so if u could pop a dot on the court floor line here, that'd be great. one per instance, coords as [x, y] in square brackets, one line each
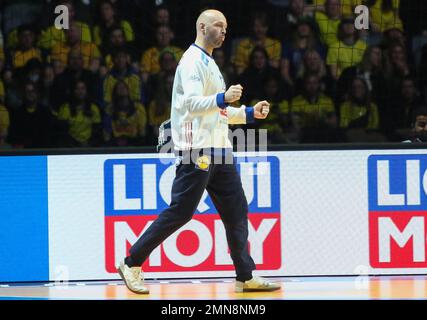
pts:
[323, 288]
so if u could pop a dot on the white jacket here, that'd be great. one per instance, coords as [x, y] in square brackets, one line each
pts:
[199, 115]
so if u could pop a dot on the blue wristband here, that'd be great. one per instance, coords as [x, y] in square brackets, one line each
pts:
[220, 100]
[250, 117]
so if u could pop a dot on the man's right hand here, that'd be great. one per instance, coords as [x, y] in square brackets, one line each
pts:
[233, 93]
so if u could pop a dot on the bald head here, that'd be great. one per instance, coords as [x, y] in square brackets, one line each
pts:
[209, 16]
[211, 27]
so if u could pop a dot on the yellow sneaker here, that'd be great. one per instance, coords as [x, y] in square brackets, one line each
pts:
[256, 284]
[133, 278]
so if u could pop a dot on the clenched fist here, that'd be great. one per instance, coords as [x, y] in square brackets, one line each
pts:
[261, 110]
[233, 93]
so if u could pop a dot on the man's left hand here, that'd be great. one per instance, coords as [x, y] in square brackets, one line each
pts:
[261, 110]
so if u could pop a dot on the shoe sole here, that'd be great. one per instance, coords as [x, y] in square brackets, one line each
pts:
[257, 290]
[124, 279]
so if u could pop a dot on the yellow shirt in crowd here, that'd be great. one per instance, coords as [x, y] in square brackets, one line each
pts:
[50, 36]
[133, 82]
[154, 119]
[271, 123]
[350, 112]
[88, 50]
[125, 26]
[345, 56]
[311, 113]
[328, 28]
[20, 58]
[80, 125]
[245, 47]
[150, 58]
[347, 6]
[386, 20]
[130, 126]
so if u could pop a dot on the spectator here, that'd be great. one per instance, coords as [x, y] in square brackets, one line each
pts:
[126, 8]
[150, 58]
[126, 120]
[81, 120]
[31, 123]
[108, 22]
[168, 66]
[161, 16]
[401, 111]
[224, 66]
[397, 61]
[294, 14]
[347, 6]
[122, 70]
[278, 121]
[75, 71]
[303, 39]
[18, 58]
[397, 67]
[392, 36]
[33, 72]
[90, 52]
[254, 77]
[48, 78]
[359, 115]
[384, 15]
[26, 49]
[246, 46]
[16, 14]
[52, 36]
[160, 107]
[312, 110]
[154, 18]
[371, 70]
[419, 126]
[329, 22]
[117, 42]
[347, 51]
[422, 73]
[312, 64]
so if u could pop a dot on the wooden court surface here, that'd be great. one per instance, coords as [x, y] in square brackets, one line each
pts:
[293, 288]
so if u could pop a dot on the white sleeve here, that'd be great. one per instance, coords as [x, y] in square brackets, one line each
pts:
[241, 115]
[193, 81]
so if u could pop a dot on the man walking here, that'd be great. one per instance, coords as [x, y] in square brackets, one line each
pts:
[200, 117]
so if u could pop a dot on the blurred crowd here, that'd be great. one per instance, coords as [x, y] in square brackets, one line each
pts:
[107, 80]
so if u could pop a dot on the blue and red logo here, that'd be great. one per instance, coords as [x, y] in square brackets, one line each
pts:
[397, 211]
[137, 190]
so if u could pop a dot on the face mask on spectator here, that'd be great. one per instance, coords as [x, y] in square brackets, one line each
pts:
[35, 77]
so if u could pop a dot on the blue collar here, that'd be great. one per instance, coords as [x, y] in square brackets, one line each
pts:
[204, 51]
